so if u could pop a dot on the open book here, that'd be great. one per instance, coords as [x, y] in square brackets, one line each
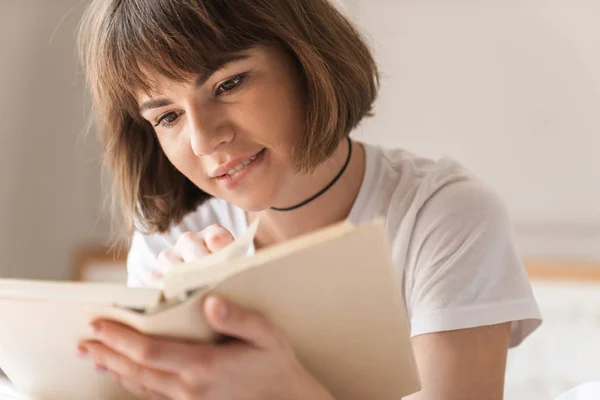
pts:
[333, 292]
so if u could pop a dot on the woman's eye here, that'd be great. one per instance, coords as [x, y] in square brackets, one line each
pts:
[230, 84]
[167, 120]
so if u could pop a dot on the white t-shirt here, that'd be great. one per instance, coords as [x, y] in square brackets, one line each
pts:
[451, 239]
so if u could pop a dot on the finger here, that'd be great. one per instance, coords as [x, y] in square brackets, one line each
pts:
[233, 320]
[157, 353]
[216, 237]
[123, 368]
[191, 246]
[166, 260]
[139, 391]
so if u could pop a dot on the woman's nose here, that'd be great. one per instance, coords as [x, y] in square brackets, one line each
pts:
[208, 132]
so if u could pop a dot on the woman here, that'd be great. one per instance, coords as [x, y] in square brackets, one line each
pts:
[214, 112]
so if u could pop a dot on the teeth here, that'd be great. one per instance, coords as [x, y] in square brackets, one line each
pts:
[240, 167]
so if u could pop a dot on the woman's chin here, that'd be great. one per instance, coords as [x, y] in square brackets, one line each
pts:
[251, 203]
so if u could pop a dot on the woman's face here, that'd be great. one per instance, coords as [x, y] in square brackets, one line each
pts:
[232, 133]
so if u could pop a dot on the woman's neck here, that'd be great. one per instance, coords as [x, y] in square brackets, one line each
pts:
[331, 207]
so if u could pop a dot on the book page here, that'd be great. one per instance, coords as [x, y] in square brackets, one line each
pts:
[333, 293]
[107, 294]
[198, 274]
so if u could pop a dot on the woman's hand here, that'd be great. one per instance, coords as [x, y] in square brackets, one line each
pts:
[257, 364]
[192, 246]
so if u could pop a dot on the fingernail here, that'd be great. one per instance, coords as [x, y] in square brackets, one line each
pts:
[215, 236]
[221, 306]
[82, 351]
[222, 309]
[101, 368]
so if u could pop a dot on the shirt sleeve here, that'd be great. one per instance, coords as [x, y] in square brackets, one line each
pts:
[143, 256]
[466, 270]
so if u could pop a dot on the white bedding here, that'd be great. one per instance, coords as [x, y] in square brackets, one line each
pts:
[565, 351]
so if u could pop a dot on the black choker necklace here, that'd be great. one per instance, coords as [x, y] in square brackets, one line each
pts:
[326, 188]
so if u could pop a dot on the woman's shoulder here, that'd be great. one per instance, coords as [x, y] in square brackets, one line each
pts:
[410, 169]
[416, 196]
[399, 184]
[452, 245]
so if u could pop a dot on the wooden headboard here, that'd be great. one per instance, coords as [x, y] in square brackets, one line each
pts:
[537, 269]
[97, 254]
[563, 270]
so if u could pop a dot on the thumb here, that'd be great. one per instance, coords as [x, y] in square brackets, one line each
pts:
[233, 320]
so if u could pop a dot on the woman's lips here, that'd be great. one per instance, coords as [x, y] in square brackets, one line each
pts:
[231, 181]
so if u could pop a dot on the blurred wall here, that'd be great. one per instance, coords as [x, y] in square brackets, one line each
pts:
[50, 195]
[511, 88]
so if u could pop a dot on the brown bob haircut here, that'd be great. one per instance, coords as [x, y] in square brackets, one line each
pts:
[182, 38]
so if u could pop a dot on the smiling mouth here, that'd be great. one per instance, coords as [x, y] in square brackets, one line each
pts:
[232, 172]
[240, 167]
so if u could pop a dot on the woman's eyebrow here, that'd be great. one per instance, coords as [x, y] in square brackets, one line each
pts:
[201, 80]
[150, 104]
[220, 64]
